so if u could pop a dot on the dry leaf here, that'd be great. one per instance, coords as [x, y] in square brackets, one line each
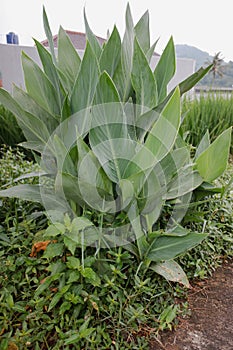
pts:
[38, 246]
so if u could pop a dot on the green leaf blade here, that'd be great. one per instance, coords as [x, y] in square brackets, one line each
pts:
[168, 247]
[171, 271]
[213, 161]
[165, 69]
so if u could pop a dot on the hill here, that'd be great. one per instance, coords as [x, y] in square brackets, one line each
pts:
[202, 58]
[187, 51]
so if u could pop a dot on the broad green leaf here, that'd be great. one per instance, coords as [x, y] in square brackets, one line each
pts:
[55, 230]
[203, 145]
[87, 79]
[141, 242]
[73, 263]
[122, 75]
[80, 223]
[171, 271]
[111, 53]
[35, 193]
[185, 181]
[142, 79]
[150, 200]
[106, 91]
[63, 160]
[142, 32]
[95, 45]
[177, 230]
[74, 276]
[27, 103]
[90, 276]
[50, 69]
[66, 108]
[53, 249]
[212, 162]
[151, 193]
[165, 69]
[24, 192]
[56, 267]
[68, 59]
[168, 247]
[39, 87]
[186, 85]
[93, 181]
[67, 186]
[193, 79]
[85, 238]
[144, 123]
[151, 51]
[34, 146]
[70, 244]
[172, 164]
[159, 141]
[127, 192]
[82, 232]
[109, 139]
[33, 128]
[164, 132]
[48, 34]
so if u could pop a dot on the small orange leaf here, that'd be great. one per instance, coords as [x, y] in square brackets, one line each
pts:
[38, 246]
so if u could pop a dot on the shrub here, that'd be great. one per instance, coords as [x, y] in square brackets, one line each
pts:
[108, 140]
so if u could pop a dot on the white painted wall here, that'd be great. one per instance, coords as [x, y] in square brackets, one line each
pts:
[12, 73]
[10, 64]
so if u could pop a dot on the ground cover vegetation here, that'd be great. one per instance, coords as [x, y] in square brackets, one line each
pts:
[97, 256]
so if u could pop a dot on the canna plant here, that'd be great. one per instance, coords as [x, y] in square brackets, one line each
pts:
[106, 134]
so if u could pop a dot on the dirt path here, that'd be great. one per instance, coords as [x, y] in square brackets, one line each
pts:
[210, 326]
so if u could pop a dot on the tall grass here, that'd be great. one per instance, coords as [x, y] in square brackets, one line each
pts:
[208, 111]
[10, 132]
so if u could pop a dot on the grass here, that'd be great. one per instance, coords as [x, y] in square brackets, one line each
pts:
[213, 112]
[59, 300]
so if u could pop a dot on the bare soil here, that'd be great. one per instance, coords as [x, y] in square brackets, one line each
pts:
[210, 326]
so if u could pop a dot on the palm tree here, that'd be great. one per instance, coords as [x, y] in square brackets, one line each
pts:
[217, 66]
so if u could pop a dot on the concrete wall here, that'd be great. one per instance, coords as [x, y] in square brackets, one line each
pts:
[10, 64]
[12, 73]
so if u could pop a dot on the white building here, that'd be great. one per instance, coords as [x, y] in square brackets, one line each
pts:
[11, 71]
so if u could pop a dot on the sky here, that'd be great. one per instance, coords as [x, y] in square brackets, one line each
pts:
[205, 24]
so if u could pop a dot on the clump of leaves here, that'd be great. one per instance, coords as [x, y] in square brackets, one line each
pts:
[107, 132]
